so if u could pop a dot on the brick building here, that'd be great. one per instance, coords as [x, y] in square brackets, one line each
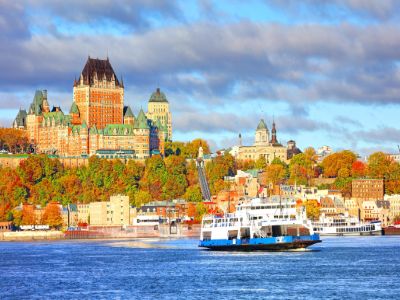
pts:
[367, 189]
[97, 119]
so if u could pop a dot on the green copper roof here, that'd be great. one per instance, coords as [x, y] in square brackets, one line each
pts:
[93, 129]
[84, 124]
[128, 112]
[56, 118]
[118, 129]
[37, 102]
[141, 121]
[20, 119]
[74, 109]
[262, 125]
[158, 96]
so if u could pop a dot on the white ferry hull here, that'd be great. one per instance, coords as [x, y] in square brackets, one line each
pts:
[376, 232]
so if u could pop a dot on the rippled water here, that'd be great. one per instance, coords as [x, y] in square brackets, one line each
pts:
[338, 268]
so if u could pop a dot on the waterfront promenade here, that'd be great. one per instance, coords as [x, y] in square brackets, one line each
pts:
[104, 232]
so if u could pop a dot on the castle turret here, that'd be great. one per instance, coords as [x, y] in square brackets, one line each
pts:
[74, 113]
[129, 117]
[141, 130]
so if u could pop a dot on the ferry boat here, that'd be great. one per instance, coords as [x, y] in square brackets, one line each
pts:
[344, 225]
[272, 224]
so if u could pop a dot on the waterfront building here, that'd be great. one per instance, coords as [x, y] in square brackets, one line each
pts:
[83, 213]
[376, 211]
[97, 121]
[265, 145]
[6, 226]
[367, 189]
[394, 208]
[115, 212]
[352, 206]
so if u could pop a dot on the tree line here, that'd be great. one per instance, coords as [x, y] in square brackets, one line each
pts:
[40, 180]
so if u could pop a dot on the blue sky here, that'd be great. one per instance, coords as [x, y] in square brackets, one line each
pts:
[328, 72]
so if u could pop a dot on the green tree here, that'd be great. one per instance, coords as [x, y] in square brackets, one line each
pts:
[141, 198]
[261, 163]
[193, 194]
[200, 211]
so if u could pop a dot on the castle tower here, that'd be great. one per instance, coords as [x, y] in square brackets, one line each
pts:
[20, 120]
[141, 131]
[129, 117]
[262, 134]
[45, 104]
[35, 116]
[99, 95]
[158, 109]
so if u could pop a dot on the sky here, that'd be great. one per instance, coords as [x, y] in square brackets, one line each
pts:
[327, 72]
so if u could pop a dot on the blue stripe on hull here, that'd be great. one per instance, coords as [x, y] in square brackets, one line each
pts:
[270, 243]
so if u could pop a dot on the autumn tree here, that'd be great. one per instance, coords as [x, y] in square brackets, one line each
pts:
[260, 163]
[378, 165]
[358, 169]
[312, 209]
[302, 166]
[28, 215]
[200, 211]
[338, 161]
[191, 173]
[14, 140]
[217, 169]
[174, 148]
[274, 174]
[52, 215]
[193, 194]
[140, 198]
[245, 164]
[192, 148]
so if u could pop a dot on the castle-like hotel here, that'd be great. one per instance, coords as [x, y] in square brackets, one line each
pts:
[98, 123]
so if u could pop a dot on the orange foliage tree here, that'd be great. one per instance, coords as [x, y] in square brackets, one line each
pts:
[14, 140]
[358, 169]
[52, 215]
[28, 215]
[339, 161]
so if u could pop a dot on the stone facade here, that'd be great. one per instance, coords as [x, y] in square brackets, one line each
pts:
[97, 120]
[266, 146]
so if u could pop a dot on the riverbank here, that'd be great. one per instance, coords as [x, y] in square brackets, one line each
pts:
[106, 232]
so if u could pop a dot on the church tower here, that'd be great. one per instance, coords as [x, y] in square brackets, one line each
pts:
[274, 140]
[99, 94]
[262, 134]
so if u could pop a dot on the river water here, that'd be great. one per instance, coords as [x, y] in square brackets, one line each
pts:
[338, 268]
